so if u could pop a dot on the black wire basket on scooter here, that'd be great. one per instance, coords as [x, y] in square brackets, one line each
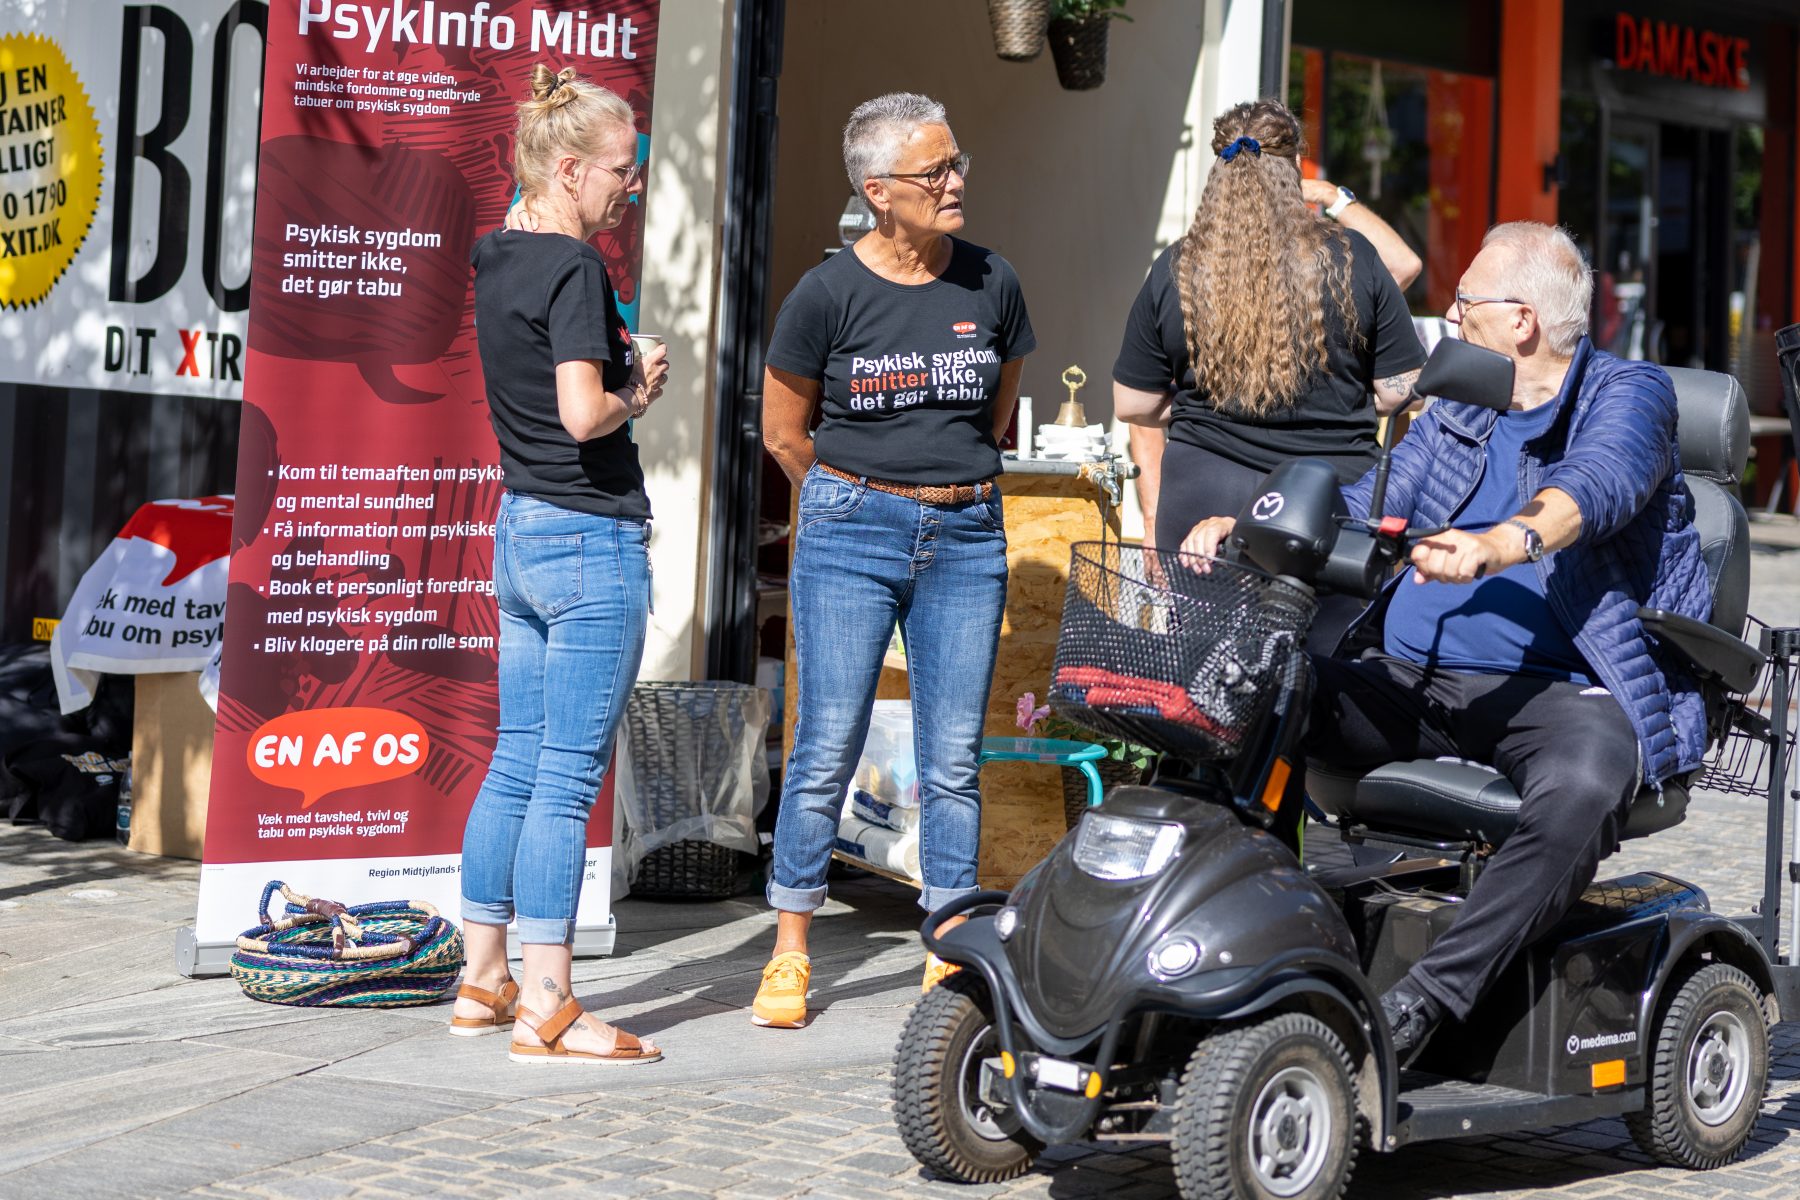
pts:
[1174, 651]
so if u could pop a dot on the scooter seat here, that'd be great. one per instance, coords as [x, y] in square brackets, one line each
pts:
[1449, 800]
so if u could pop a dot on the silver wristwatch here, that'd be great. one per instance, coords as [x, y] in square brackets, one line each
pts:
[1534, 541]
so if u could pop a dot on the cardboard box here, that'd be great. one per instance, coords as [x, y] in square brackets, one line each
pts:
[171, 765]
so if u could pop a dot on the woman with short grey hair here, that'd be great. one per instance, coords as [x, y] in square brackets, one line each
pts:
[911, 342]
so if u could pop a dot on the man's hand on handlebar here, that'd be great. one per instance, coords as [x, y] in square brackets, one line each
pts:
[1205, 538]
[1448, 556]
[1455, 557]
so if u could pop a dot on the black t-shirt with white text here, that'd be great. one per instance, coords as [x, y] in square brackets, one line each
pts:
[908, 372]
[1331, 418]
[542, 299]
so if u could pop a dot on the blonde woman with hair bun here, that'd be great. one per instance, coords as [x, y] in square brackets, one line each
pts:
[571, 568]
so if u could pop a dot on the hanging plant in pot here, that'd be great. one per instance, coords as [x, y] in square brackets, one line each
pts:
[1078, 40]
[1018, 27]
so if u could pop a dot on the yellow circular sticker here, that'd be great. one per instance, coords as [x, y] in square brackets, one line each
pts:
[49, 167]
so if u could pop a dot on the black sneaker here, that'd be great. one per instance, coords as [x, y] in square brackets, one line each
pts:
[1411, 1016]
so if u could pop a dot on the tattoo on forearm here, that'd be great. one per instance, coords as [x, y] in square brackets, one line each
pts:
[1401, 383]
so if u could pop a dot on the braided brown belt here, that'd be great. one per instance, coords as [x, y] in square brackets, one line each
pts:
[924, 493]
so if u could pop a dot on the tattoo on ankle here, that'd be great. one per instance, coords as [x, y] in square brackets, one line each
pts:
[550, 986]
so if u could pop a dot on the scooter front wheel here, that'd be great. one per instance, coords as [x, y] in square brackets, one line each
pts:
[1266, 1112]
[1709, 1067]
[944, 1120]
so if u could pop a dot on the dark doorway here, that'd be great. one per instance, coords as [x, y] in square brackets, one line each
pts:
[1666, 279]
[733, 593]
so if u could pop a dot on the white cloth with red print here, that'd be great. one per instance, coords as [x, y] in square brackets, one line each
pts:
[153, 602]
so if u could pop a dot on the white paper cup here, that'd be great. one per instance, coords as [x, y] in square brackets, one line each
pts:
[643, 343]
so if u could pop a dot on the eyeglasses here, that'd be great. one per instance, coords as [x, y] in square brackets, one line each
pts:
[1464, 302]
[938, 176]
[629, 175]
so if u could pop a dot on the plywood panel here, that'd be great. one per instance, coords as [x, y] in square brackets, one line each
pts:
[1022, 813]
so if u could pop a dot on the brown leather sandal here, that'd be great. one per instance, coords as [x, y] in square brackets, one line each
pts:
[626, 1048]
[505, 1004]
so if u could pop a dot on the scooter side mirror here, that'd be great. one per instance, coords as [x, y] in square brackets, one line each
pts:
[1467, 373]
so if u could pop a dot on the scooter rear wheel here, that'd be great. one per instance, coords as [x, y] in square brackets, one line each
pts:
[937, 1089]
[1266, 1111]
[1709, 1067]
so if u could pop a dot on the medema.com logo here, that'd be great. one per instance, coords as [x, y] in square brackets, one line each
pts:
[1576, 1045]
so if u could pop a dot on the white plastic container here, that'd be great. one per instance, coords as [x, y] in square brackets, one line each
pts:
[889, 767]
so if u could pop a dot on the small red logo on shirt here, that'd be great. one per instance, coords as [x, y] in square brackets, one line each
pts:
[963, 328]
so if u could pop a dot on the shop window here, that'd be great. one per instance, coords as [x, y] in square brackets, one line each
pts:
[1577, 198]
[1415, 144]
[1747, 315]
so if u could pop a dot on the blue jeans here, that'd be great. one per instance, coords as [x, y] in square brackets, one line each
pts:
[864, 560]
[574, 593]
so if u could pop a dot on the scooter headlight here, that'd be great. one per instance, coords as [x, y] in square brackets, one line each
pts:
[1123, 848]
[1005, 921]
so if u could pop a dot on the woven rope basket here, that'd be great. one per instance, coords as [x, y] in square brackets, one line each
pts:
[321, 953]
[1018, 27]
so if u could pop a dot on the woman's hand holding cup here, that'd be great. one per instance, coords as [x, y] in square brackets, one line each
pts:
[649, 370]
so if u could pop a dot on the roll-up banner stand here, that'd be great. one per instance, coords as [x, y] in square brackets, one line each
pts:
[357, 697]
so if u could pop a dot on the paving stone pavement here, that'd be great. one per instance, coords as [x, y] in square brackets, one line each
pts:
[123, 1080]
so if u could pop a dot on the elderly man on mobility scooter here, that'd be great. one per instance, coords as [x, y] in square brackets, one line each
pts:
[1171, 973]
[1537, 663]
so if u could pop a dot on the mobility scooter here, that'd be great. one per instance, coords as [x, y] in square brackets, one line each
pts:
[1173, 974]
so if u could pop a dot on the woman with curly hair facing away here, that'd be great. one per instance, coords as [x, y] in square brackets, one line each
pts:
[571, 571]
[1259, 336]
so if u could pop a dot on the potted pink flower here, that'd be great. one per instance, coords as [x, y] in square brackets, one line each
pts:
[1125, 762]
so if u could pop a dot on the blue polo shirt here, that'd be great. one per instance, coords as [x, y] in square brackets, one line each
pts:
[1500, 624]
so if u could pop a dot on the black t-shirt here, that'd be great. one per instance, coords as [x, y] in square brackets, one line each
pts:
[1331, 419]
[908, 371]
[543, 299]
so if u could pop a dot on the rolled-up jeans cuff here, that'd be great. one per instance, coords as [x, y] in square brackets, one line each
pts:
[545, 931]
[931, 899]
[795, 900]
[482, 913]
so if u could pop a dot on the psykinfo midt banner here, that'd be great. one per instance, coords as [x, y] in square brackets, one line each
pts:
[357, 700]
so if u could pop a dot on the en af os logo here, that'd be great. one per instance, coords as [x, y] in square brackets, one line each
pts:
[319, 751]
[964, 329]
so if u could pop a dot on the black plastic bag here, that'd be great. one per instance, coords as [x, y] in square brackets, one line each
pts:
[67, 783]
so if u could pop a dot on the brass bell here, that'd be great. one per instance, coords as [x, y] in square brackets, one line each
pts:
[1072, 413]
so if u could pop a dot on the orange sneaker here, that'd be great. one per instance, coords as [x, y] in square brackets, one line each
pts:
[781, 1000]
[936, 971]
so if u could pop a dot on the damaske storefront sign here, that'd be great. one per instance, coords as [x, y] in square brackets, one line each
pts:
[1668, 60]
[1674, 51]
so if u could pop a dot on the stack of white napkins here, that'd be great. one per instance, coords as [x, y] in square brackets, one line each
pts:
[1071, 443]
[886, 835]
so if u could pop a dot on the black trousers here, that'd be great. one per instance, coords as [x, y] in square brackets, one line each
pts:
[1569, 751]
[1197, 484]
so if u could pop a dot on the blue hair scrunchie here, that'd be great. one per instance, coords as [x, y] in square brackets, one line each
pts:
[1244, 143]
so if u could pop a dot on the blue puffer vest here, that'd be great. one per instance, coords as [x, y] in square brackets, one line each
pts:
[1612, 449]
